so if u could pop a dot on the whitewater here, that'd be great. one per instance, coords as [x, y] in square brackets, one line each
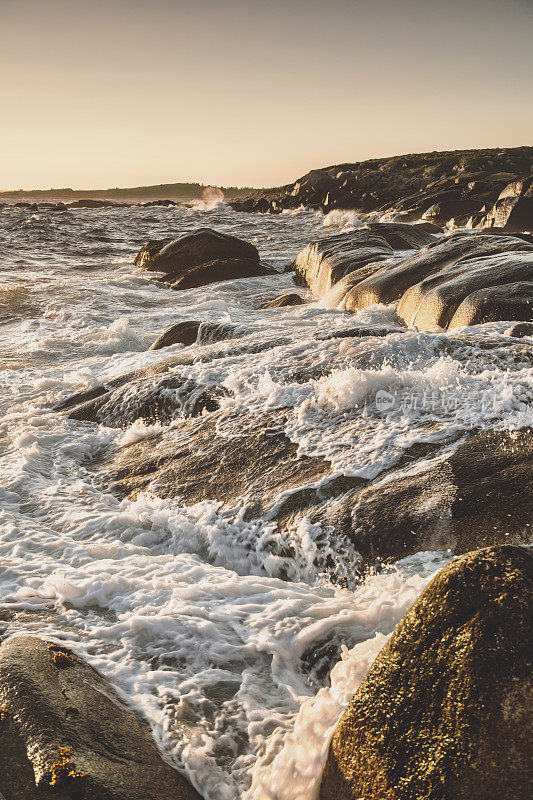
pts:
[240, 649]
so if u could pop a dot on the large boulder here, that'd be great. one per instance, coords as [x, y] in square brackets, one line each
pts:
[454, 296]
[65, 733]
[513, 301]
[322, 264]
[174, 257]
[412, 278]
[446, 709]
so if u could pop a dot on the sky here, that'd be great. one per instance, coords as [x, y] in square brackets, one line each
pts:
[98, 94]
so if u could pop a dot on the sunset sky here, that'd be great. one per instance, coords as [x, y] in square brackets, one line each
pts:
[247, 92]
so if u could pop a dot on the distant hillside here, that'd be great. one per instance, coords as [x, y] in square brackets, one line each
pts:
[458, 184]
[162, 191]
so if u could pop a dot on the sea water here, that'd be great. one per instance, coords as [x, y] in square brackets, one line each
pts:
[241, 657]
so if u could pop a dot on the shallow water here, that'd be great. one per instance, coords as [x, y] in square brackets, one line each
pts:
[224, 642]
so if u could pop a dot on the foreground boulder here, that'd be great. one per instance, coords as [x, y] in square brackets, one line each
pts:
[66, 734]
[445, 711]
[175, 257]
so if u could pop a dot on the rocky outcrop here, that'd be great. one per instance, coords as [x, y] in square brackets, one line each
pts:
[66, 734]
[284, 300]
[457, 280]
[175, 257]
[438, 187]
[455, 295]
[445, 711]
[322, 264]
[512, 211]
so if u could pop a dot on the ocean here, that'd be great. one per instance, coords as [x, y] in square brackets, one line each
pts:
[241, 644]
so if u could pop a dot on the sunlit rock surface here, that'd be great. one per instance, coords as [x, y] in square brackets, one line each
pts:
[66, 734]
[445, 710]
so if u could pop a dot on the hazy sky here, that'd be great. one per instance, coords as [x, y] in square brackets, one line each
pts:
[252, 92]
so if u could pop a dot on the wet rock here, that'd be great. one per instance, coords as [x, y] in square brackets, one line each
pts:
[520, 329]
[176, 256]
[445, 711]
[182, 333]
[414, 274]
[291, 299]
[322, 264]
[244, 458]
[481, 494]
[157, 399]
[437, 300]
[194, 332]
[66, 734]
[226, 269]
[513, 301]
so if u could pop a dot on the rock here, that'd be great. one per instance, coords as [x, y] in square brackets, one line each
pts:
[291, 299]
[66, 734]
[410, 279]
[481, 494]
[357, 254]
[194, 332]
[89, 203]
[320, 265]
[176, 256]
[513, 301]
[513, 210]
[250, 461]
[157, 399]
[520, 329]
[182, 333]
[445, 711]
[223, 269]
[436, 300]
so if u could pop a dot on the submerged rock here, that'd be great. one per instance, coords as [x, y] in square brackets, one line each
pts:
[175, 257]
[291, 299]
[66, 734]
[157, 399]
[195, 332]
[243, 458]
[222, 269]
[445, 711]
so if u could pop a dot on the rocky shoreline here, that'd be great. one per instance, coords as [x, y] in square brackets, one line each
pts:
[445, 709]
